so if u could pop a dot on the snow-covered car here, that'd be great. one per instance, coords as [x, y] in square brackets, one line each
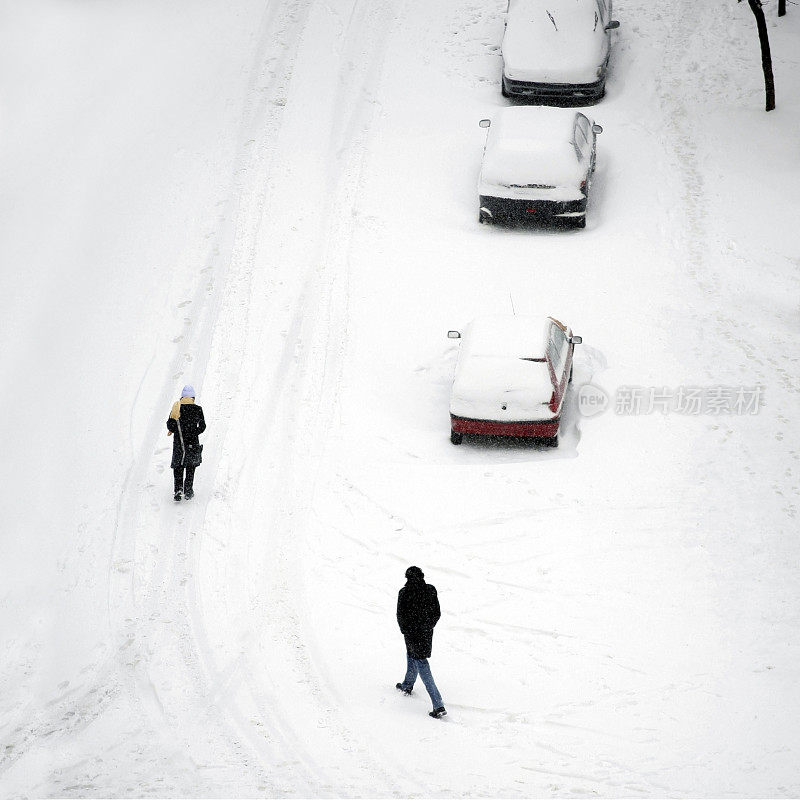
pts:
[557, 49]
[511, 377]
[537, 165]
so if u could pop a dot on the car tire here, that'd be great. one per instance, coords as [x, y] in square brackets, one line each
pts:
[503, 88]
[550, 441]
[580, 222]
[484, 218]
[456, 438]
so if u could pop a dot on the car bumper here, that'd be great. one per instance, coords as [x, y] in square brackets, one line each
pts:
[504, 209]
[539, 429]
[555, 91]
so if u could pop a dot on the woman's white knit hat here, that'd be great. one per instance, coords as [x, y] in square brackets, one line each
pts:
[188, 391]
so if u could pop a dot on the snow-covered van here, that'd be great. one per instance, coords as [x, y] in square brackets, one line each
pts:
[537, 165]
[557, 49]
[511, 377]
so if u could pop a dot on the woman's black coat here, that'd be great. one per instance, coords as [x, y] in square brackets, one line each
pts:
[192, 425]
[417, 613]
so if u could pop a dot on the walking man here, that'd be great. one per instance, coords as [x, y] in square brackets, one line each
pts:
[417, 614]
[186, 422]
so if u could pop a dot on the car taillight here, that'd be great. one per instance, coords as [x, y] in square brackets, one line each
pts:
[553, 402]
[583, 187]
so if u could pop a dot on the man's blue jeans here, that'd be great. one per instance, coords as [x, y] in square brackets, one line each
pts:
[420, 666]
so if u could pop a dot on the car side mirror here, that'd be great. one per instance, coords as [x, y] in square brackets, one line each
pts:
[485, 123]
[597, 128]
[612, 25]
[576, 339]
[453, 334]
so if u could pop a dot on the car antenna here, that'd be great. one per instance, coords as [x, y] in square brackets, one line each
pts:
[513, 310]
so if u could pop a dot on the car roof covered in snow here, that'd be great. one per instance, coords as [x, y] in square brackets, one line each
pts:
[557, 41]
[495, 369]
[532, 146]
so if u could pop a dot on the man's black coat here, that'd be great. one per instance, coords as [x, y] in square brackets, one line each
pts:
[417, 613]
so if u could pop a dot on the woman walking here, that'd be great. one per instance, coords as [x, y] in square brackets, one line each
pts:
[185, 423]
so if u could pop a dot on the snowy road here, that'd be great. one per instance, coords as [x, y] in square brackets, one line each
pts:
[279, 205]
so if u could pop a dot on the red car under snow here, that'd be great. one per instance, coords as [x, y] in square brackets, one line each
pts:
[511, 378]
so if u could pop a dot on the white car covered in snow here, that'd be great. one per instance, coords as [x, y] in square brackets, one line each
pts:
[537, 165]
[511, 377]
[557, 49]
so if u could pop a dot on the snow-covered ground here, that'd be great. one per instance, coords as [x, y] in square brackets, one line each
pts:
[276, 201]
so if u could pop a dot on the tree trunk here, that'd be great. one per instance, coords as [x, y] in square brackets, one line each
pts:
[766, 58]
[781, 8]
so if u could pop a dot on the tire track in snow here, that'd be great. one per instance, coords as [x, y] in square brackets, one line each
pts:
[137, 597]
[174, 585]
[298, 399]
